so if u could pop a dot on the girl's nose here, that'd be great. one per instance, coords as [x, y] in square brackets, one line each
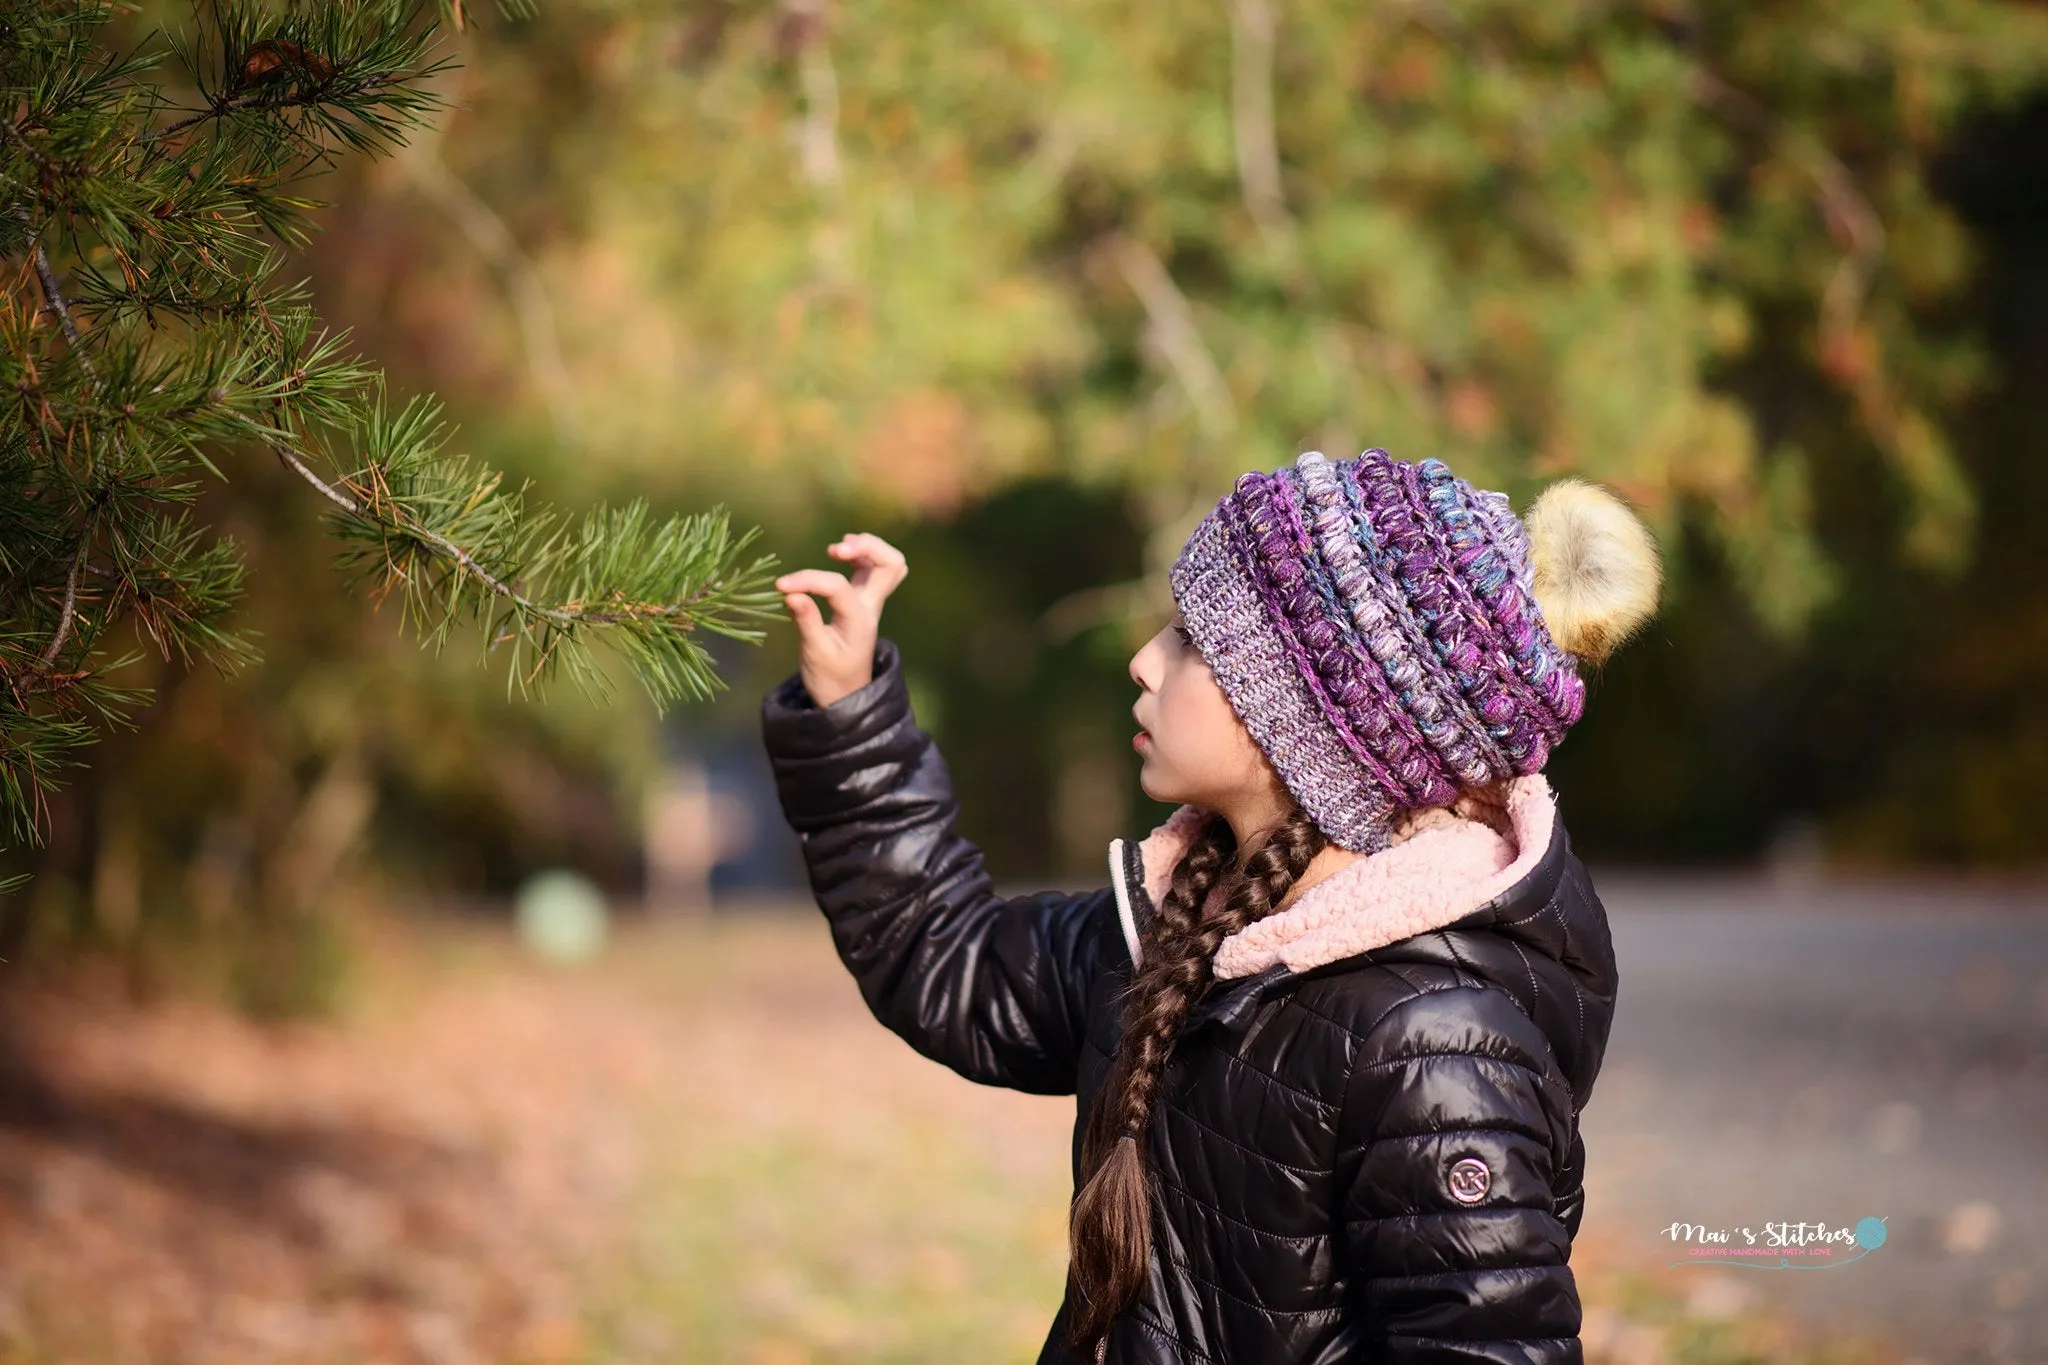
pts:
[1137, 671]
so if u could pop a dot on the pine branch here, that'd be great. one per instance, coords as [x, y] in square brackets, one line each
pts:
[264, 99]
[647, 589]
[154, 251]
[397, 525]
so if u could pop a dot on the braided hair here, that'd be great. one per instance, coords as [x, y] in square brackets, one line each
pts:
[1110, 1231]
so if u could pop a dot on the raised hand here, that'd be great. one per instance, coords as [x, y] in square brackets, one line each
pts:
[838, 657]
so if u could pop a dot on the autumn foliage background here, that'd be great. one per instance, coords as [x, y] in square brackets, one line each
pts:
[1022, 289]
[1025, 290]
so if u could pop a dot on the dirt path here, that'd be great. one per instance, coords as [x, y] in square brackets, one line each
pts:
[1830, 1053]
[488, 1161]
[702, 1149]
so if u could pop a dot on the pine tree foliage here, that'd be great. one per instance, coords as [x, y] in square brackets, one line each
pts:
[148, 345]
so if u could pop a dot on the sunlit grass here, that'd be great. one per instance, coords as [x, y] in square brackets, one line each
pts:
[820, 1192]
[794, 1250]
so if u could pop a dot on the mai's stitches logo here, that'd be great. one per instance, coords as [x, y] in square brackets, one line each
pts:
[1780, 1246]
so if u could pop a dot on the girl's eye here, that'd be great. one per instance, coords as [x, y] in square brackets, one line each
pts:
[1185, 638]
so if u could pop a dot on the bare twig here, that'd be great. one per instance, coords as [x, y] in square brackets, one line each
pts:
[53, 294]
[819, 140]
[1251, 95]
[1099, 605]
[29, 682]
[69, 614]
[326, 489]
[14, 135]
[817, 135]
[1851, 220]
[524, 289]
[1174, 332]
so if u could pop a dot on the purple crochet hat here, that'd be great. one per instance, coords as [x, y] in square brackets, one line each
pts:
[1374, 625]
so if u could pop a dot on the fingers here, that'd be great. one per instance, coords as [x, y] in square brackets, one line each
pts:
[833, 587]
[878, 566]
[873, 547]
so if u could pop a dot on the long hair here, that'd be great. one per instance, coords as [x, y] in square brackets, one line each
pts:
[1109, 1235]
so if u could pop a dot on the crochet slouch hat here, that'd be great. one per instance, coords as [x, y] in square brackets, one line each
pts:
[1381, 628]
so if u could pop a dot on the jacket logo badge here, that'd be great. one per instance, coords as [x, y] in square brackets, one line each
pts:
[1469, 1180]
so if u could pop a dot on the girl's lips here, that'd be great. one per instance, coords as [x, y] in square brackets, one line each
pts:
[1140, 740]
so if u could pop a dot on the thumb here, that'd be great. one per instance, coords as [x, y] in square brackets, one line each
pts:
[803, 609]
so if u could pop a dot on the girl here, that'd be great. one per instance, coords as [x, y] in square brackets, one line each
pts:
[1332, 1024]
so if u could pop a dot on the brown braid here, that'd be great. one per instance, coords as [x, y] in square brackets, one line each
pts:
[1110, 1231]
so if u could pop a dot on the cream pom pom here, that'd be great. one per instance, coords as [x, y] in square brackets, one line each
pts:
[1596, 569]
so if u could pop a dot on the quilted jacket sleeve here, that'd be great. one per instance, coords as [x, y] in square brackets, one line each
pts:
[1451, 1133]
[991, 986]
[1571, 1200]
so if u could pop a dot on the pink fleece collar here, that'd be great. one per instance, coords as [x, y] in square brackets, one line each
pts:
[1443, 865]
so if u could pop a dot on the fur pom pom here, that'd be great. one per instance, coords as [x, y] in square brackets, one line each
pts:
[1596, 569]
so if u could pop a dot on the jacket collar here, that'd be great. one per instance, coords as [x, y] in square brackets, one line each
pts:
[1449, 866]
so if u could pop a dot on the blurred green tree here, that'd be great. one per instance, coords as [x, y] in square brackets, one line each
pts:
[147, 337]
[899, 257]
[882, 263]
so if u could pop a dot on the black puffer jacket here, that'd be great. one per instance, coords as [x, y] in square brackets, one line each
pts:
[1377, 1159]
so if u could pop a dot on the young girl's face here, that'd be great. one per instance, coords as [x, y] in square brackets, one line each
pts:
[1194, 747]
